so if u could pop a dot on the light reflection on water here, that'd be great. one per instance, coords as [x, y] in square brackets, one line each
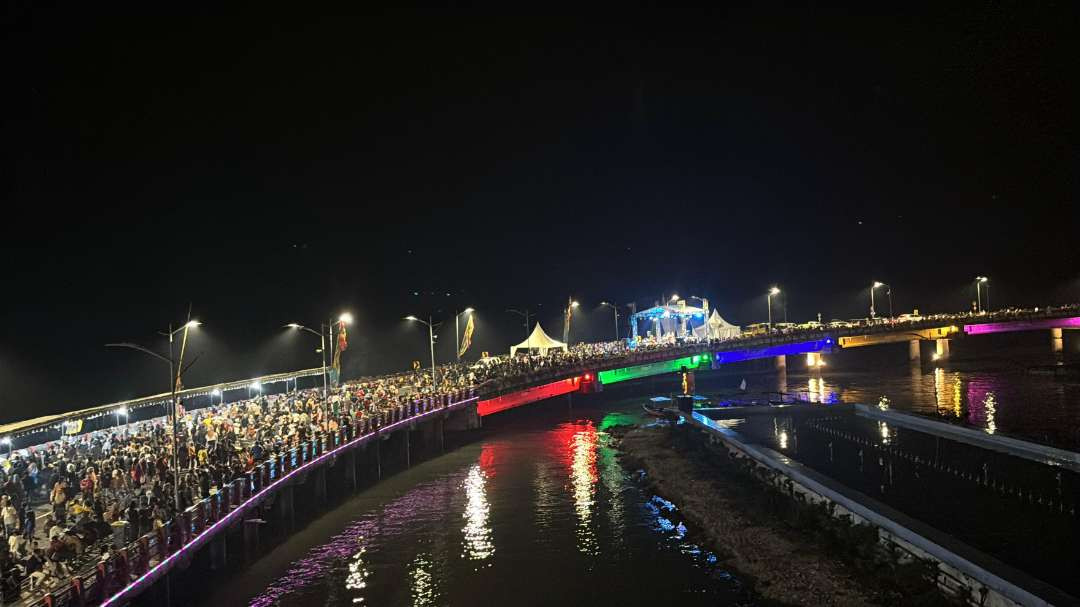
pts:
[1030, 407]
[569, 523]
[478, 543]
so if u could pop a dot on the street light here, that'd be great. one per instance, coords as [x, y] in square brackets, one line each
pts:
[888, 291]
[322, 349]
[121, 411]
[216, 392]
[614, 309]
[979, 281]
[457, 331]
[431, 341]
[772, 291]
[176, 371]
[570, 305]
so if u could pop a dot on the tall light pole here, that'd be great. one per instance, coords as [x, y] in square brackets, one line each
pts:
[614, 309]
[322, 349]
[979, 281]
[524, 314]
[175, 373]
[570, 305]
[888, 291]
[344, 318]
[772, 291]
[431, 340]
[457, 331]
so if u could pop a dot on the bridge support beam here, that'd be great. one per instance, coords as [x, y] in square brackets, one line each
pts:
[942, 349]
[1057, 341]
[914, 351]
[251, 539]
[349, 461]
[781, 362]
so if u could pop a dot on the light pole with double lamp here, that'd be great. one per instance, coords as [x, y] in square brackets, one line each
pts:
[345, 318]
[176, 372]
[888, 291]
[431, 341]
[614, 309]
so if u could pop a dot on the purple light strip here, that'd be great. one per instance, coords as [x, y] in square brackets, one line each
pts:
[151, 575]
[1023, 325]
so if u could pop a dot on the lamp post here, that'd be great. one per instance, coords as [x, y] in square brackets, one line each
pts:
[344, 318]
[322, 348]
[524, 314]
[431, 342]
[570, 305]
[979, 281]
[121, 411]
[221, 397]
[888, 291]
[175, 372]
[772, 291]
[614, 309]
[457, 331]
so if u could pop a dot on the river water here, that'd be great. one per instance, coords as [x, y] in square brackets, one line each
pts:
[537, 510]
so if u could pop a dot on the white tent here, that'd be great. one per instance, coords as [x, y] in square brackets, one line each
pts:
[538, 340]
[720, 328]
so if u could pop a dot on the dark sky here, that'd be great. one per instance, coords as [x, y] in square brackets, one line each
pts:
[268, 168]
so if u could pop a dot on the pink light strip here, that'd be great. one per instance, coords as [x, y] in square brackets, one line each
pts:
[1023, 325]
[153, 573]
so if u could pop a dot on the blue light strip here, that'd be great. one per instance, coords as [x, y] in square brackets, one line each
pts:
[735, 356]
[196, 542]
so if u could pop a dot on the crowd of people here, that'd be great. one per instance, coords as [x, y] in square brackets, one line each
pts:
[62, 504]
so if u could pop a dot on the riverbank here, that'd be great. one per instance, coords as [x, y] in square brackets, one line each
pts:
[790, 553]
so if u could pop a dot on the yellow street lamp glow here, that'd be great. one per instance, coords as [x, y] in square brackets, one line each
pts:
[774, 291]
[411, 318]
[878, 284]
[981, 278]
[468, 311]
[191, 324]
[345, 318]
[674, 297]
[573, 304]
[122, 411]
[293, 325]
[215, 392]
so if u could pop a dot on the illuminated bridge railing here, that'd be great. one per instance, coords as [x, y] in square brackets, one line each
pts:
[137, 565]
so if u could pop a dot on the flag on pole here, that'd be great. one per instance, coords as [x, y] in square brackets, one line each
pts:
[342, 345]
[566, 320]
[466, 339]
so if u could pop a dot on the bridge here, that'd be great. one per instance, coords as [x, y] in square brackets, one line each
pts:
[232, 516]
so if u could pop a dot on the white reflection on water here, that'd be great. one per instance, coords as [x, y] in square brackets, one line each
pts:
[990, 409]
[477, 530]
[358, 574]
[583, 477]
[424, 589]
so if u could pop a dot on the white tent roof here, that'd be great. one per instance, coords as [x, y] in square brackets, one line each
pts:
[720, 328]
[538, 340]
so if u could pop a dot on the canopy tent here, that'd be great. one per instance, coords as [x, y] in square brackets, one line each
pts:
[720, 328]
[538, 340]
[670, 320]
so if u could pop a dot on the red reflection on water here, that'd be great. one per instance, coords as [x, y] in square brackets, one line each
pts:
[490, 454]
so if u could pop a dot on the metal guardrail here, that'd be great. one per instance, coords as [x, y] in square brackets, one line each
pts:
[127, 570]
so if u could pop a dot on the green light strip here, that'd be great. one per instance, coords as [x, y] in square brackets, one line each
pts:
[658, 368]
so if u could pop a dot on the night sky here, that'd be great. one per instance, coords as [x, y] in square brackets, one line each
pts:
[270, 168]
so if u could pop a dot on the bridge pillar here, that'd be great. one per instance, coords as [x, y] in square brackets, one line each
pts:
[942, 349]
[781, 362]
[320, 485]
[286, 513]
[251, 539]
[218, 551]
[1057, 341]
[349, 461]
[440, 435]
[914, 351]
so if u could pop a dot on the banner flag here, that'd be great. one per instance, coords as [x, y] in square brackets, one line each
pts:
[466, 340]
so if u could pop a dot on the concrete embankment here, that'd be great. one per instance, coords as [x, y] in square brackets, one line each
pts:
[791, 552]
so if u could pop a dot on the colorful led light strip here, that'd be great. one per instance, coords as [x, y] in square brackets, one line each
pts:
[1023, 325]
[818, 345]
[612, 376]
[528, 395]
[151, 575]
